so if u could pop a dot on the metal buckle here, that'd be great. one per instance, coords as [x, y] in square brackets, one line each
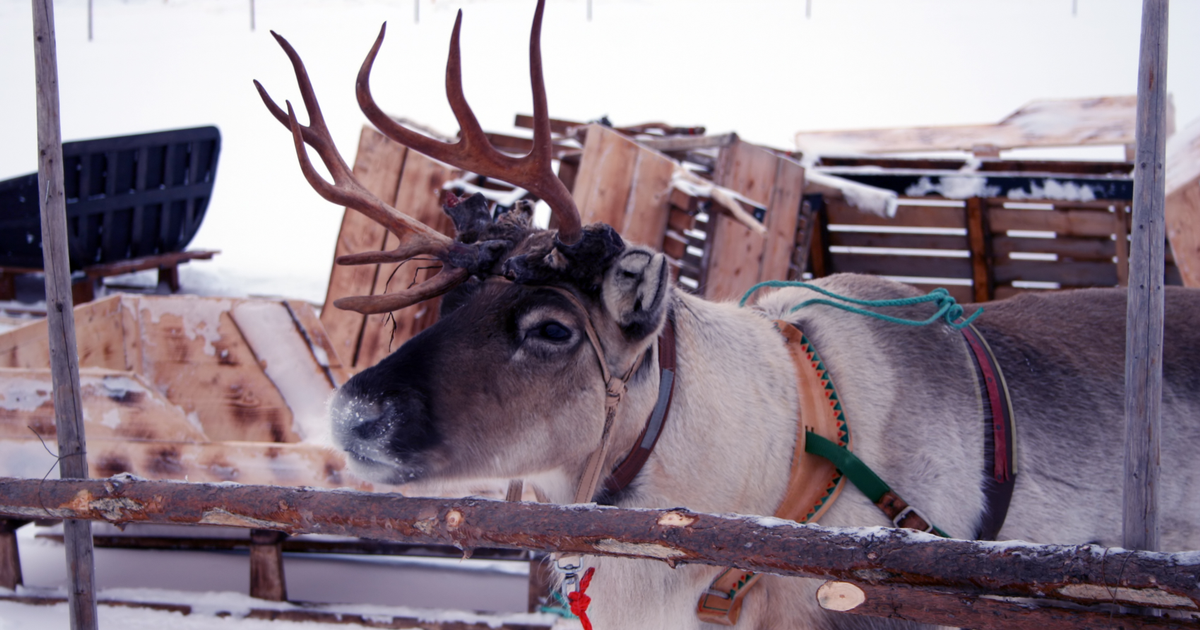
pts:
[569, 566]
[912, 510]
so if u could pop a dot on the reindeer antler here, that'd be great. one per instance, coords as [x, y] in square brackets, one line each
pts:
[473, 152]
[416, 238]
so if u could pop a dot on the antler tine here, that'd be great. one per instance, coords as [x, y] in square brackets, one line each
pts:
[473, 151]
[416, 238]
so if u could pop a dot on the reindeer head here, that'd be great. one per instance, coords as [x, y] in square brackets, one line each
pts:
[514, 378]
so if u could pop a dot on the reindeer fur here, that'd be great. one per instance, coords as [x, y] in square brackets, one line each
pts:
[910, 395]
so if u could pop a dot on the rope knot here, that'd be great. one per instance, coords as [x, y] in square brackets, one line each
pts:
[579, 600]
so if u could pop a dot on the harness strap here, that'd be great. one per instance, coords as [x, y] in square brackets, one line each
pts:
[629, 468]
[895, 508]
[1000, 452]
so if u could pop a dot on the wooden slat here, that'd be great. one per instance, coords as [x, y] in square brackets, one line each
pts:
[318, 340]
[680, 220]
[1061, 222]
[605, 177]
[1091, 121]
[1183, 206]
[783, 211]
[898, 241]
[377, 166]
[288, 360]
[419, 196]
[1069, 274]
[648, 208]
[978, 237]
[119, 405]
[906, 216]
[674, 246]
[961, 293]
[920, 266]
[1069, 248]
[735, 254]
[193, 350]
[100, 339]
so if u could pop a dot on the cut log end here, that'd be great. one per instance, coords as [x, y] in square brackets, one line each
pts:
[840, 596]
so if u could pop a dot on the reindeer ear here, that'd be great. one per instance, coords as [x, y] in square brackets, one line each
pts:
[636, 288]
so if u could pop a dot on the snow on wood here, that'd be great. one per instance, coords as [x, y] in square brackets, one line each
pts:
[1183, 201]
[1045, 123]
[866, 556]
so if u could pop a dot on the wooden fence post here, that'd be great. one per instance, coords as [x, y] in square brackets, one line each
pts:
[10, 557]
[266, 565]
[1144, 323]
[60, 318]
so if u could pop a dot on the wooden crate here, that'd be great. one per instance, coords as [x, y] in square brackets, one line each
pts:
[983, 248]
[412, 183]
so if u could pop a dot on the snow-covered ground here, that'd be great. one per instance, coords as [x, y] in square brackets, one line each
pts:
[758, 67]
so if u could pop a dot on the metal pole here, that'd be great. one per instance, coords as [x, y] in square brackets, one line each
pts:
[589, 10]
[1144, 323]
[251, 15]
[416, 11]
[60, 318]
[807, 8]
[89, 20]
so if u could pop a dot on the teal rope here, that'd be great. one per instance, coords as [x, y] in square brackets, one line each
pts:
[947, 307]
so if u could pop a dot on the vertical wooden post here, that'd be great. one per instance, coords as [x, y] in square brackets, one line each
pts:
[60, 319]
[1144, 324]
[251, 16]
[978, 238]
[266, 565]
[89, 20]
[10, 555]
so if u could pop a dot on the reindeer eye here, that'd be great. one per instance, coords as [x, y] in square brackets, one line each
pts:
[553, 331]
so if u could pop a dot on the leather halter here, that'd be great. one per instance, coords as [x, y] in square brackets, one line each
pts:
[615, 388]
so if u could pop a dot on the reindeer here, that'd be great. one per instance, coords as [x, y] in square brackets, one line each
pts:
[547, 361]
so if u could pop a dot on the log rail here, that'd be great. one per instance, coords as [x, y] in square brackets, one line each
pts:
[886, 565]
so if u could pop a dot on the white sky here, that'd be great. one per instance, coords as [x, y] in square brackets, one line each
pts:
[758, 67]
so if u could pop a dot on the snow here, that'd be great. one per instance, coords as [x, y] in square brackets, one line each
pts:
[870, 199]
[854, 64]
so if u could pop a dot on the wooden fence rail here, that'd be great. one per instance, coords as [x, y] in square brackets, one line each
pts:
[954, 580]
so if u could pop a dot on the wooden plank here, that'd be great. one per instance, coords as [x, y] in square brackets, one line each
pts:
[318, 341]
[288, 361]
[918, 266]
[377, 167]
[118, 406]
[1061, 222]
[841, 213]
[10, 554]
[978, 238]
[294, 465]
[266, 565]
[99, 334]
[1145, 309]
[674, 246]
[688, 143]
[1078, 122]
[1069, 274]
[159, 261]
[1066, 248]
[648, 208]
[419, 196]
[1183, 202]
[893, 240]
[783, 211]
[193, 350]
[963, 294]
[605, 177]
[680, 220]
[735, 254]
[60, 314]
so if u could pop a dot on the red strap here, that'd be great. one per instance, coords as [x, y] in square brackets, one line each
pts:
[1001, 469]
[580, 602]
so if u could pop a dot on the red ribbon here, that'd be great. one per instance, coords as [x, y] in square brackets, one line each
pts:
[579, 601]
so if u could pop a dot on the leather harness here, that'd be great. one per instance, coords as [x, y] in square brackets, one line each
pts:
[814, 483]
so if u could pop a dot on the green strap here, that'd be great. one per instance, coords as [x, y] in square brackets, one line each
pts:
[854, 468]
